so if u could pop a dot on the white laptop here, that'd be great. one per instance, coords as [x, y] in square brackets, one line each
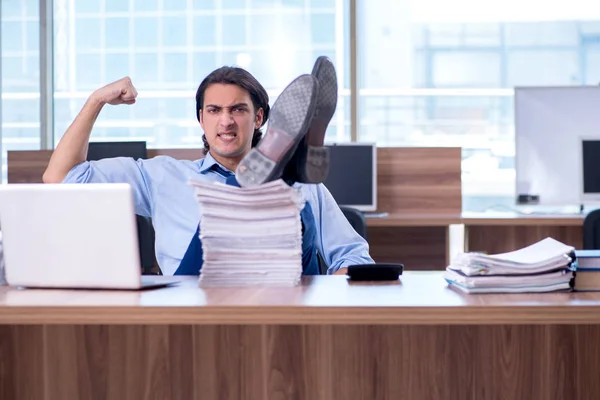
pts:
[71, 236]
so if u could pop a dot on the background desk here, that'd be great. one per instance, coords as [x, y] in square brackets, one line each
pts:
[422, 241]
[327, 339]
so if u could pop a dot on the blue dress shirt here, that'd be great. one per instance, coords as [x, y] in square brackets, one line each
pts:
[161, 192]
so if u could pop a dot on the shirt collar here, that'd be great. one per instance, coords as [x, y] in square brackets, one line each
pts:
[208, 162]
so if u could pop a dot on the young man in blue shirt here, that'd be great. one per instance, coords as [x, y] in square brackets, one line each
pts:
[232, 106]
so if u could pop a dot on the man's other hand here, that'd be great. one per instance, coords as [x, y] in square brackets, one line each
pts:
[119, 92]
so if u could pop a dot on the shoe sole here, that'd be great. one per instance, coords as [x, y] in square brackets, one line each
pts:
[289, 119]
[314, 162]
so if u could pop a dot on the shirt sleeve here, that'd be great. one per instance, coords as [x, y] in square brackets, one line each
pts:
[117, 170]
[337, 241]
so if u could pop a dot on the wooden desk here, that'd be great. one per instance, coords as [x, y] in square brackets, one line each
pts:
[505, 232]
[326, 339]
[422, 241]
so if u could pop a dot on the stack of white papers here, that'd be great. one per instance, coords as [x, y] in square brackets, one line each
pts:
[542, 267]
[250, 236]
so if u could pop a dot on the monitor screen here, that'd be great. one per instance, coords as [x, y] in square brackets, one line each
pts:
[590, 157]
[352, 178]
[100, 150]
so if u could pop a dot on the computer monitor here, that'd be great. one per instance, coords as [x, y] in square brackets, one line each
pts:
[352, 178]
[590, 171]
[100, 150]
[550, 123]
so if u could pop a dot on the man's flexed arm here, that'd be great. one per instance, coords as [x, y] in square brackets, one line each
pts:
[72, 148]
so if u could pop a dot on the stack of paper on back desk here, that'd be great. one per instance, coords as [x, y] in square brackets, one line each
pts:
[250, 236]
[542, 267]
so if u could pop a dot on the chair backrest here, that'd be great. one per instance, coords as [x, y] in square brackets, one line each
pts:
[356, 219]
[591, 230]
[146, 238]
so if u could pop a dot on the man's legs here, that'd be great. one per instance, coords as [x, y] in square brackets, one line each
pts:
[289, 121]
[292, 147]
[310, 163]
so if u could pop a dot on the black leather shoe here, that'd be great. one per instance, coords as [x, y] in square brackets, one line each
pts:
[289, 120]
[310, 163]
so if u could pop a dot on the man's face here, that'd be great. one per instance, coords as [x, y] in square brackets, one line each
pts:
[228, 119]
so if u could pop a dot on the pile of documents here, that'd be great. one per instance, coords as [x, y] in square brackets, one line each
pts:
[250, 236]
[545, 266]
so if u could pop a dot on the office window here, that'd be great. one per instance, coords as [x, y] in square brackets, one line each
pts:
[465, 69]
[431, 74]
[145, 33]
[117, 33]
[530, 68]
[87, 34]
[145, 5]
[234, 4]
[234, 31]
[205, 31]
[167, 48]
[174, 31]
[175, 5]
[20, 117]
[116, 6]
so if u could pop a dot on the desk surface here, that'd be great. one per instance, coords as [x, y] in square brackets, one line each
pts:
[419, 298]
[472, 219]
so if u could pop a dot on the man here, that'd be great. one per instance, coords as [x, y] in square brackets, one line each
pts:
[231, 107]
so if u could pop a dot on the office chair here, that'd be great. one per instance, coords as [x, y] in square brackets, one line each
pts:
[357, 220]
[146, 236]
[591, 230]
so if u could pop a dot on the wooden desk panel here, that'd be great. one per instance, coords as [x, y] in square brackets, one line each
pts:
[501, 239]
[397, 220]
[343, 362]
[419, 298]
[410, 179]
[491, 219]
[418, 248]
[327, 339]
[419, 180]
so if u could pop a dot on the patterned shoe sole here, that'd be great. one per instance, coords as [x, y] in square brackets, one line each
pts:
[314, 166]
[289, 119]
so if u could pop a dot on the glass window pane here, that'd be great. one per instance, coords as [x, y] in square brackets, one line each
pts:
[145, 5]
[20, 116]
[174, 31]
[235, 32]
[322, 27]
[532, 68]
[205, 31]
[145, 73]
[86, 6]
[264, 3]
[87, 34]
[234, 4]
[204, 63]
[12, 38]
[117, 33]
[146, 32]
[459, 69]
[116, 5]
[117, 67]
[88, 70]
[205, 4]
[175, 67]
[175, 4]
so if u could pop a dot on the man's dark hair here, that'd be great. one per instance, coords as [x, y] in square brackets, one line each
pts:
[245, 80]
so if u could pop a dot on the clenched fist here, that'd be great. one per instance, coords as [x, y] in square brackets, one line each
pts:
[119, 92]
